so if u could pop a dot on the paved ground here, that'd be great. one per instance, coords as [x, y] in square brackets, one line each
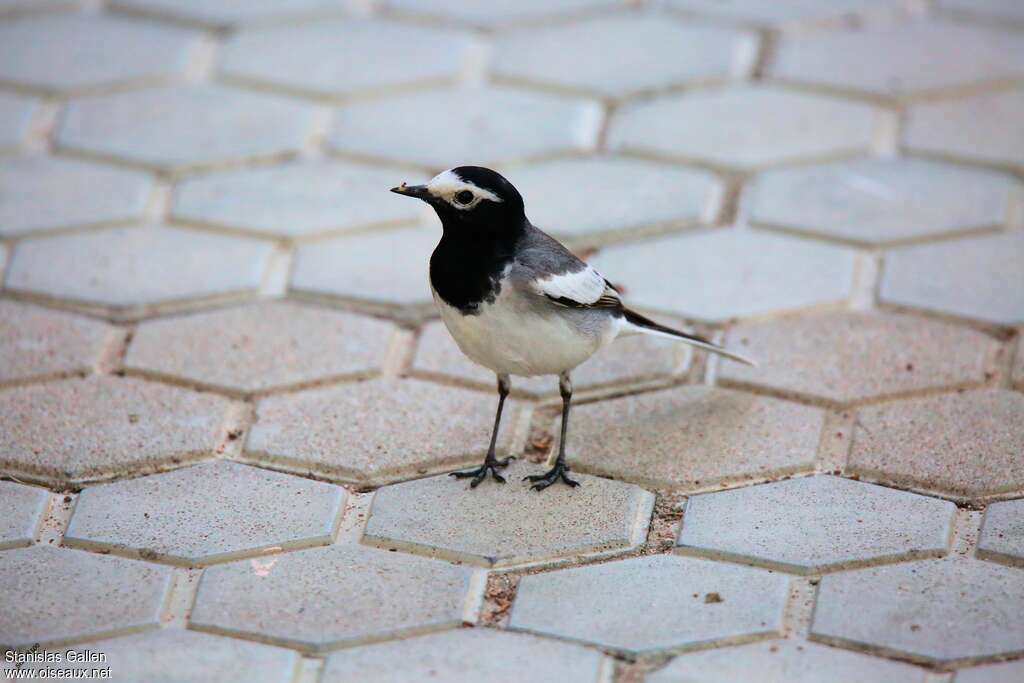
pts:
[226, 409]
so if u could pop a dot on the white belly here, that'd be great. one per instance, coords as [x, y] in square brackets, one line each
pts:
[511, 337]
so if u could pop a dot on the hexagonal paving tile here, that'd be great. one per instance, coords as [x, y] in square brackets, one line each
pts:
[917, 609]
[693, 437]
[187, 656]
[80, 429]
[784, 660]
[23, 6]
[210, 512]
[15, 114]
[455, 657]
[725, 274]
[965, 444]
[901, 60]
[297, 199]
[53, 596]
[345, 56]
[384, 267]
[988, 128]
[779, 12]
[36, 342]
[1010, 10]
[654, 51]
[498, 11]
[489, 124]
[816, 524]
[750, 126]
[1005, 672]
[57, 52]
[975, 278]
[128, 271]
[21, 510]
[508, 525]
[1002, 534]
[45, 193]
[659, 602]
[630, 359]
[881, 201]
[333, 597]
[847, 357]
[226, 13]
[261, 347]
[157, 127]
[379, 430]
[582, 198]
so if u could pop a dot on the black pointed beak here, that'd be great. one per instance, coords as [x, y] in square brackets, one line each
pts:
[417, 191]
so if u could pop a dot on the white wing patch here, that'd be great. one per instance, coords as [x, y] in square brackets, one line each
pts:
[586, 287]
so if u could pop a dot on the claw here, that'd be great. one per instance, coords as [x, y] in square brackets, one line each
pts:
[556, 473]
[479, 474]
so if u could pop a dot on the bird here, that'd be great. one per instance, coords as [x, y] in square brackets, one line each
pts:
[518, 302]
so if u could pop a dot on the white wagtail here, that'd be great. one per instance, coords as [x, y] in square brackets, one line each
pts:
[517, 301]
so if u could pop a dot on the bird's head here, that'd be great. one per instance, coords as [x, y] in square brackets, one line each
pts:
[470, 196]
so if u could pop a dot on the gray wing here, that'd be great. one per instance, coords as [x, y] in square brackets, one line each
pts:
[551, 271]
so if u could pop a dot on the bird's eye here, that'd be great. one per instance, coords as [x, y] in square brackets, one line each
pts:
[464, 197]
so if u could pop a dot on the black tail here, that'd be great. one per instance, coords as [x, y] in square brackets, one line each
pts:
[645, 324]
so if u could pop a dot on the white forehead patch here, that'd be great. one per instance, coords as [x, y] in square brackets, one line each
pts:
[447, 184]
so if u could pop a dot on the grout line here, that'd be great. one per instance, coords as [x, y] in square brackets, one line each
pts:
[938, 677]
[55, 522]
[354, 518]
[966, 531]
[158, 207]
[238, 418]
[499, 594]
[399, 354]
[799, 608]
[113, 350]
[888, 132]
[866, 272]
[184, 586]
[473, 606]
[309, 670]
[278, 272]
[204, 59]
[43, 126]
[835, 442]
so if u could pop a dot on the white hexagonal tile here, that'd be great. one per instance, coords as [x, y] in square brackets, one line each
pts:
[59, 52]
[815, 524]
[339, 596]
[295, 199]
[987, 128]
[725, 274]
[976, 278]
[228, 13]
[750, 126]
[901, 60]
[653, 51]
[1002, 533]
[881, 201]
[785, 12]
[47, 193]
[647, 604]
[53, 596]
[211, 512]
[496, 526]
[934, 610]
[498, 12]
[21, 511]
[157, 127]
[583, 198]
[479, 125]
[127, 271]
[344, 56]
[15, 116]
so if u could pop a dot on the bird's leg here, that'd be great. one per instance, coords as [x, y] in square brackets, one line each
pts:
[491, 463]
[561, 469]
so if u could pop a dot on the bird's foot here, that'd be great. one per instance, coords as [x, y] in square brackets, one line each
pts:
[557, 473]
[491, 464]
